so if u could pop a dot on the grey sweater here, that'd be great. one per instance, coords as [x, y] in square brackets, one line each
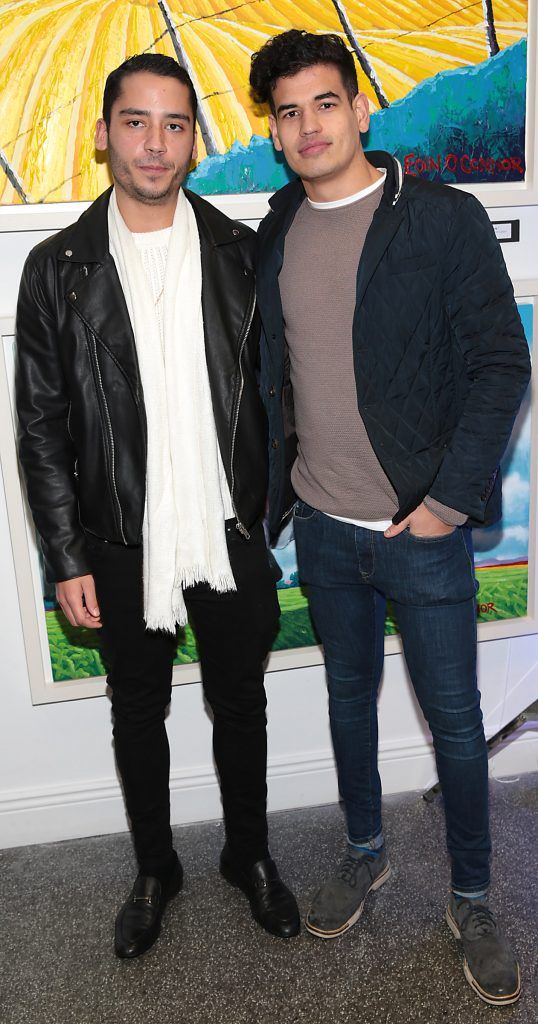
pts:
[336, 470]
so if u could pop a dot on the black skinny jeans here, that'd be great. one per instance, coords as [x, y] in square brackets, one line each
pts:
[234, 632]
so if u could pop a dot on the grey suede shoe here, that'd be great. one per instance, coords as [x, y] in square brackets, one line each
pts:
[338, 904]
[489, 964]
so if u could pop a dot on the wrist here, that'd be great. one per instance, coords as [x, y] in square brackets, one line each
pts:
[447, 515]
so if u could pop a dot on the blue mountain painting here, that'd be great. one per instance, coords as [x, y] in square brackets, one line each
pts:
[466, 125]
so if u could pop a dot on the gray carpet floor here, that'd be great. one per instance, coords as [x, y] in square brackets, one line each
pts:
[213, 964]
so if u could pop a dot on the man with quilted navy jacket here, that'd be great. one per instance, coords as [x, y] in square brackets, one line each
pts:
[393, 365]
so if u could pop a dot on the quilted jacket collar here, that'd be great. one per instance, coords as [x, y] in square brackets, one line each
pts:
[291, 196]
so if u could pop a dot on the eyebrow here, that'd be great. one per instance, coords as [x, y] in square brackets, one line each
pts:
[133, 112]
[320, 96]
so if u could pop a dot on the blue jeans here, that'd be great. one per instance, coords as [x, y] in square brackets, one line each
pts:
[350, 573]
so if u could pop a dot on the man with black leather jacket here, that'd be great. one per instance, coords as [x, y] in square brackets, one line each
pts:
[393, 364]
[143, 443]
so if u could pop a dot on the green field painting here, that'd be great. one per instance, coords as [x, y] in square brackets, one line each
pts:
[502, 592]
[75, 654]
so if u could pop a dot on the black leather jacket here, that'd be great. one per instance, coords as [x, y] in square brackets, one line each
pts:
[82, 424]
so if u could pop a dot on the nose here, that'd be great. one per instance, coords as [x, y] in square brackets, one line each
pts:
[155, 141]
[309, 122]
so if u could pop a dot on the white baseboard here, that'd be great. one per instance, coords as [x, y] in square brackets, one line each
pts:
[95, 807]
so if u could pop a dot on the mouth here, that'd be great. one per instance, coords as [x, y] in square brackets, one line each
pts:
[313, 148]
[153, 168]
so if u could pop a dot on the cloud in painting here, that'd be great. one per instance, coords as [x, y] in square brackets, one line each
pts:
[501, 544]
[516, 497]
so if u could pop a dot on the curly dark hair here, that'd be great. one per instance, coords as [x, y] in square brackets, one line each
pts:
[156, 64]
[290, 52]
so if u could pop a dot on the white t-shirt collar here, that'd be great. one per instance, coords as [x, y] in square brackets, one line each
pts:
[336, 203]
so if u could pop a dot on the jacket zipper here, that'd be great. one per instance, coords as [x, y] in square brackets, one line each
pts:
[110, 436]
[239, 525]
[75, 469]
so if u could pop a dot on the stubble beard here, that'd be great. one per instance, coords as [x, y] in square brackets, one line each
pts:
[123, 180]
[309, 170]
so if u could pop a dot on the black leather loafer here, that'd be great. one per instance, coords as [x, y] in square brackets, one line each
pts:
[139, 921]
[272, 904]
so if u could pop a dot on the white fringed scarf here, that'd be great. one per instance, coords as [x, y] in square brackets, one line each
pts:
[184, 540]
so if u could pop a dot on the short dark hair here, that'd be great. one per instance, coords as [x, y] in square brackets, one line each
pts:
[156, 64]
[290, 52]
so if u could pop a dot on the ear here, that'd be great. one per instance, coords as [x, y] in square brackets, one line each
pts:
[194, 154]
[274, 133]
[101, 135]
[361, 108]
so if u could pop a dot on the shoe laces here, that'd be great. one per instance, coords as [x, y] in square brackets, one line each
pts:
[480, 919]
[349, 867]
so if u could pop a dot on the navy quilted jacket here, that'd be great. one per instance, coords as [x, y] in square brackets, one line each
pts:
[441, 361]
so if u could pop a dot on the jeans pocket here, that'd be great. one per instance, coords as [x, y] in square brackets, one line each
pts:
[303, 511]
[437, 538]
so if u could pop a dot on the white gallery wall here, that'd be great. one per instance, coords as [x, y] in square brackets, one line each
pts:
[57, 773]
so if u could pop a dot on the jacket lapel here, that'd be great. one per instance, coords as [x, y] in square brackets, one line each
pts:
[225, 309]
[384, 226]
[284, 206]
[270, 257]
[386, 220]
[95, 293]
[99, 301]
[228, 301]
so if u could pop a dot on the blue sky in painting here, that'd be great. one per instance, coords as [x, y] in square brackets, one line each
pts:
[509, 539]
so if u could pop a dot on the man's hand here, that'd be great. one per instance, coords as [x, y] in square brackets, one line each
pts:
[78, 602]
[421, 523]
